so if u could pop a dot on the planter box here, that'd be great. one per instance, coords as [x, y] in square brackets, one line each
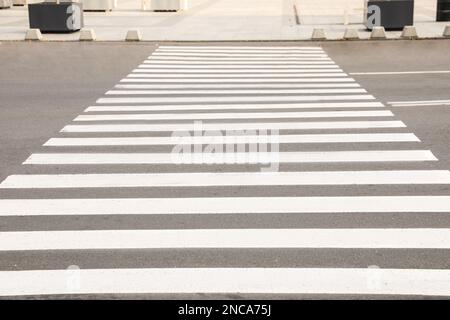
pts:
[443, 10]
[168, 5]
[390, 14]
[4, 4]
[52, 17]
[98, 5]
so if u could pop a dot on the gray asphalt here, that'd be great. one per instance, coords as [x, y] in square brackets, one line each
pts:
[44, 86]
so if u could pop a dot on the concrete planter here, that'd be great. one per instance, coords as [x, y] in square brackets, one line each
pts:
[168, 5]
[98, 5]
[443, 10]
[390, 14]
[53, 17]
[5, 4]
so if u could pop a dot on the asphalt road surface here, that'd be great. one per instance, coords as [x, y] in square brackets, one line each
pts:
[94, 201]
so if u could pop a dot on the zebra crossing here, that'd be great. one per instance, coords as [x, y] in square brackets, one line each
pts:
[355, 206]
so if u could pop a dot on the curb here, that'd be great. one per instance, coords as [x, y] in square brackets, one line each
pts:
[318, 34]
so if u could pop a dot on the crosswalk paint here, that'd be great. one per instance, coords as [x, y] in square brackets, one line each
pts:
[293, 71]
[170, 66]
[123, 180]
[233, 126]
[240, 106]
[226, 238]
[421, 282]
[227, 98]
[241, 78]
[237, 86]
[256, 115]
[145, 78]
[234, 139]
[275, 74]
[224, 205]
[232, 158]
[232, 91]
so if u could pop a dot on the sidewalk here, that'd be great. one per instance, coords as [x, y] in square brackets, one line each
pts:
[226, 20]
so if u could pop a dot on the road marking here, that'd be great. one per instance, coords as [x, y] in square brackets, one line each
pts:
[233, 91]
[237, 86]
[242, 59]
[292, 98]
[207, 179]
[300, 63]
[142, 78]
[399, 73]
[241, 47]
[422, 282]
[232, 158]
[241, 50]
[230, 139]
[220, 107]
[420, 103]
[241, 115]
[265, 66]
[151, 69]
[226, 238]
[224, 205]
[233, 126]
[179, 74]
[239, 55]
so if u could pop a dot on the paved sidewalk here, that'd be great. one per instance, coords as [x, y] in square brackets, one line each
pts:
[226, 20]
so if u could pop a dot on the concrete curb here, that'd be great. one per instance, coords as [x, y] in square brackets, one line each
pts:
[133, 35]
[87, 35]
[33, 34]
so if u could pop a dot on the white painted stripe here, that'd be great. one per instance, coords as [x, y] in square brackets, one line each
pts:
[233, 91]
[241, 47]
[219, 107]
[142, 78]
[360, 281]
[226, 238]
[247, 58]
[232, 158]
[400, 73]
[279, 74]
[233, 126]
[254, 115]
[152, 69]
[240, 55]
[208, 179]
[249, 63]
[237, 86]
[224, 205]
[234, 139]
[419, 103]
[237, 99]
[264, 67]
[241, 50]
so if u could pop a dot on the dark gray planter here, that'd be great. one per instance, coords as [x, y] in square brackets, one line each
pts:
[443, 10]
[52, 17]
[390, 14]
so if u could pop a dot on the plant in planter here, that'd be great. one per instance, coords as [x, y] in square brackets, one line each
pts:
[56, 16]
